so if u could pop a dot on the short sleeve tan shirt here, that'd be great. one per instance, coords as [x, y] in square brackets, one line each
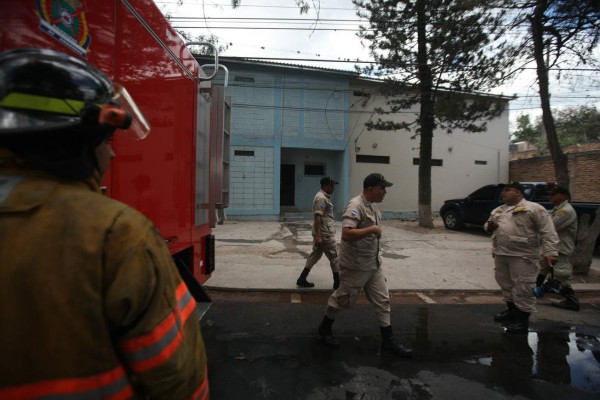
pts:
[323, 206]
[360, 254]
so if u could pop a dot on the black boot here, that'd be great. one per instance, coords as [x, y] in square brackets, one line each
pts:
[302, 282]
[508, 314]
[540, 280]
[520, 323]
[570, 303]
[389, 343]
[326, 335]
[336, 280]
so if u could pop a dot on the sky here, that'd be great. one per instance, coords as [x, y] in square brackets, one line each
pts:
[242, 29]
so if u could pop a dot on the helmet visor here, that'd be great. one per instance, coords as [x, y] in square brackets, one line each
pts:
[138, 127]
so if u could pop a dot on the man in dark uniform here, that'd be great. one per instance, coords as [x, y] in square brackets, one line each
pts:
[323, 234]
[360, 265]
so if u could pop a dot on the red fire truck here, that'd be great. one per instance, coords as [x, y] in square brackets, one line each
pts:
[175, 176]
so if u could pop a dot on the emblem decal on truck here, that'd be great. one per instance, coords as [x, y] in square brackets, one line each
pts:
[65, 21]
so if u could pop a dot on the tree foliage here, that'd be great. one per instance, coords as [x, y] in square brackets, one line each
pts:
[574, 125]
[578, 125]
[203, 50]
[560, 32]
[436, 55]
[525, 131]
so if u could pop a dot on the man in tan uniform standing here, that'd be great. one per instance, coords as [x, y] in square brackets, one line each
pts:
[360, 265]
[564, 219]
[323, 234]
[517, 228]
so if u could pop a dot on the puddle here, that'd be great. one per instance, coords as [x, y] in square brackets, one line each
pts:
[558, 357]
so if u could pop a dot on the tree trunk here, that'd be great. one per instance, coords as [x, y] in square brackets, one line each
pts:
[426, 119]
[586, 242]
[561, 167]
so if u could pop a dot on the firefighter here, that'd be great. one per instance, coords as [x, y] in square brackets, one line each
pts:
[564, 219]
[91, 303]
[521, 230]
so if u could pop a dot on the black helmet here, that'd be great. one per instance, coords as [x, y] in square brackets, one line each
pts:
[43, 90]
[55, 110]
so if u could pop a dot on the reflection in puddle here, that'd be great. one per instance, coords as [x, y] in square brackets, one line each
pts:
[557, 357]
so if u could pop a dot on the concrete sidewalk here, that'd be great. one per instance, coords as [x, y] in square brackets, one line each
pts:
[271, 255]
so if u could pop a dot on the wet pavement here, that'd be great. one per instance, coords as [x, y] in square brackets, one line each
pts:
[260, 330]
[262, 350]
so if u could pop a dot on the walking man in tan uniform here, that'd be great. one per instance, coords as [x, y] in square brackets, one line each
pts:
[323, 234]
[564, 219]
[518, 227]
[360, 265]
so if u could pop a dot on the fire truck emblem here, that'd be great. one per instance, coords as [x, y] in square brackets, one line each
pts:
[65, 21]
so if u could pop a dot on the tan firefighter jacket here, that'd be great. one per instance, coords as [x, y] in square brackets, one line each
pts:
[524, 230]
[91, 304]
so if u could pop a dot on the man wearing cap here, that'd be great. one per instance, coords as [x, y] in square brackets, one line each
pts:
[565, 223]
[518, 227]
[323, 234]
[360, 265]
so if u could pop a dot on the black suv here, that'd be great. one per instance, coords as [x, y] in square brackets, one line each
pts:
[475, 209]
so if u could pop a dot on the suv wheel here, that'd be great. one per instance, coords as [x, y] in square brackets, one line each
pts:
[452, 220]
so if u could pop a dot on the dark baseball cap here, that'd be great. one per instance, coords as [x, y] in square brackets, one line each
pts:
[516, 185]
[559, 190]
[326, 180]
[375, 180]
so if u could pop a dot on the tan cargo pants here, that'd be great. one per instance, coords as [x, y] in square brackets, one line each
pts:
[516, 276]
[563, 269]
[351, 283]
[327, 247]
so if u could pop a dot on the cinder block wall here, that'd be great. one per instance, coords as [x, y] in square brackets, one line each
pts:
[584, 170]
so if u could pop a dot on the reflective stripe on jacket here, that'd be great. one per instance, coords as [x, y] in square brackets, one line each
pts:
[91, 303]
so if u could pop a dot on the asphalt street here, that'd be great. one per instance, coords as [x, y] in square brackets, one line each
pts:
[261, 331]
[260, 350]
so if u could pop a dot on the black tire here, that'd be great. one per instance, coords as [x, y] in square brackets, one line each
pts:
[452, 220]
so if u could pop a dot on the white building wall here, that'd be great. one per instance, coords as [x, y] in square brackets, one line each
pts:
[459, 151]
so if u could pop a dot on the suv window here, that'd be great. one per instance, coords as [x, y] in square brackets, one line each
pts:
[485, 193]
[541, 193]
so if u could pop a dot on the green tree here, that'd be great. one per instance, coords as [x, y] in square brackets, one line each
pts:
[560, 32]
[577, 125]
[525, 132]
[436, 55]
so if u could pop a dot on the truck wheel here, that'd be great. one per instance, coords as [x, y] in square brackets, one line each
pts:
[452, 220]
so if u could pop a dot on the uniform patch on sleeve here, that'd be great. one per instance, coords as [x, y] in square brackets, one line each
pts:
[354, 213]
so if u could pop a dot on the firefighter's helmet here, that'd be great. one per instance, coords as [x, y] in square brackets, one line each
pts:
[45, 90]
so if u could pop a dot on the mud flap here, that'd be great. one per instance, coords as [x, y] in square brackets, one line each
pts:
[202, 298]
